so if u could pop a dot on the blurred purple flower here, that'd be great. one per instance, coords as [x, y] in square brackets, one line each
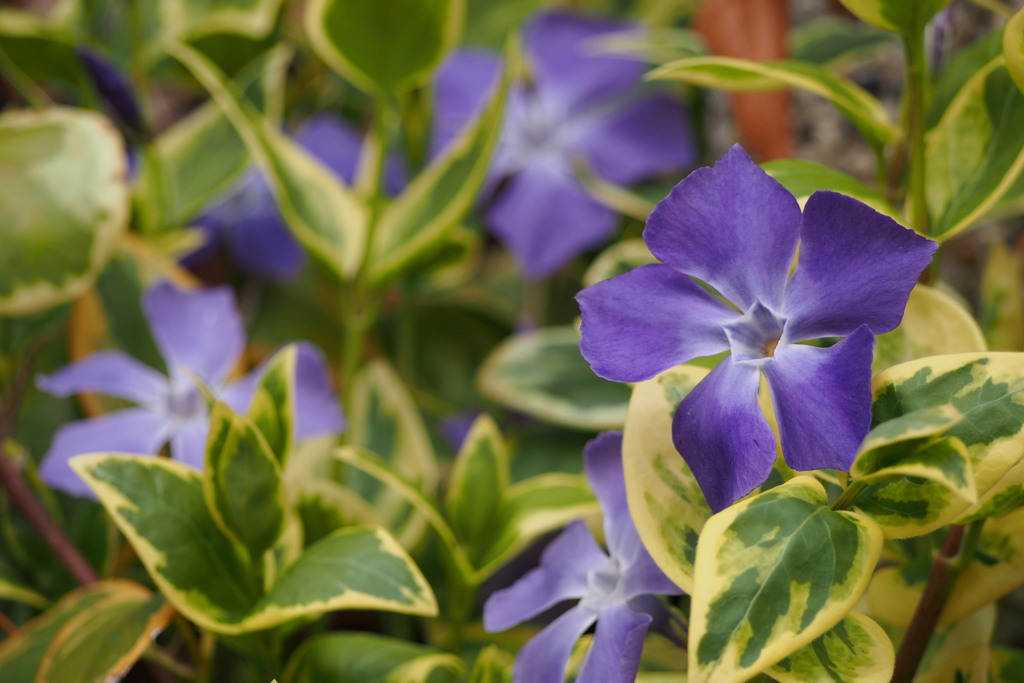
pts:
[736, 229]
[197, 332]
[611, 587]
[580, 106]
[113, 86]
[246, 220]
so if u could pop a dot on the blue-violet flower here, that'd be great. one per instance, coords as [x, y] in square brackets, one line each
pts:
[197, 332]
[736, 229]
[613, 588]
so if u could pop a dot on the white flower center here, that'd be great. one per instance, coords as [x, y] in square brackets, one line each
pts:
[604, 587]
[183, 401]
[756, 334]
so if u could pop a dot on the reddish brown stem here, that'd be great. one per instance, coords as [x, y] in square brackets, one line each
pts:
[926, 616]
[30, 506]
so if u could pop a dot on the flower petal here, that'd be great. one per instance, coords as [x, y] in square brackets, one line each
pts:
[723, 435]
[113, 373]
[602, 461]
[822, 400]
[732, 226]
[562, 574]
[568, 69]
[199, 330]
[188, 444]
[544, 658]
[545, 219]
[856, 267]
[648, 320]
[318, 411]
[614, 656]
[645, 136]
[339, 146]
[460, 89]
[135, 430]
[643, 577]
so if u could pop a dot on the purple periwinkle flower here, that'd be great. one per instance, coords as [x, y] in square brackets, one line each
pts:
[736, 229]
[198, 332]
[613, 588]
[246, 219]
[580, 106]
[113, 85]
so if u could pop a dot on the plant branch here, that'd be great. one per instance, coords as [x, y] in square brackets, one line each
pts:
[932, 602]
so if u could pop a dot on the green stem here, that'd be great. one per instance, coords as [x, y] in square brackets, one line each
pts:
[917, 80]
[29, 90]
[846, 498]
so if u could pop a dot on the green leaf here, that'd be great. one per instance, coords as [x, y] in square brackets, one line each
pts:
[829, 40]
[987, 390]
[42, 49]
[324, 506]
[909, 506]
[907, 17]
[1013, 48]
[159, 506]
[665, 500]
[417, 224]
[856, 650]
[541, 373]
[366, 658]
[201, 155]
[272, 410]
[352, 568]
[476, 489]
[934, 323]
[804, 178]
[103, 642]
[64, 197]
[534, 507]
[253, 18]
[384, 47]
[619, 258]
[740, 75]
[1007, 665]
[773, 573]
[242, 483]
[323, 213]
[384, 419]
[975, 152]
[24, 653]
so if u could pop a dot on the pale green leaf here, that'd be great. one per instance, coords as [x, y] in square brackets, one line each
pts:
[384, 46]
[492, 665]
[541, 373]
[477, 486]
[252, 18]
[907, 17]
[1002, 298]
[619, 258]
[1013, 48]
[774, 572]
[665, 500]
[64, 201]
[272, 410]
[804, 178]
[324, 214]
[1006, 665]
[740, 75]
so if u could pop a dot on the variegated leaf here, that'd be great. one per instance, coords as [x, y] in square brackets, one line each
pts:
[1002, 298]
[384, 47]
[1013, 48]
[24, 652]
[804, 178]
[987, 389]
[242, 483]
[534, 507]
[907, 17]
[975, 152]
[366, 658]
[385, 420]
[541, 373]
[934, 323]
[741, 75]
[325, 215]
[959, 653]
[774, 572]
[909, 506]
[64, 192]
[476, 489]
[856, 650]
[418, 223]
[272, 410]
[101, 643]
[621, 257]
[492, 665]
[324, 506]
[1006, 665]
[665, 500]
